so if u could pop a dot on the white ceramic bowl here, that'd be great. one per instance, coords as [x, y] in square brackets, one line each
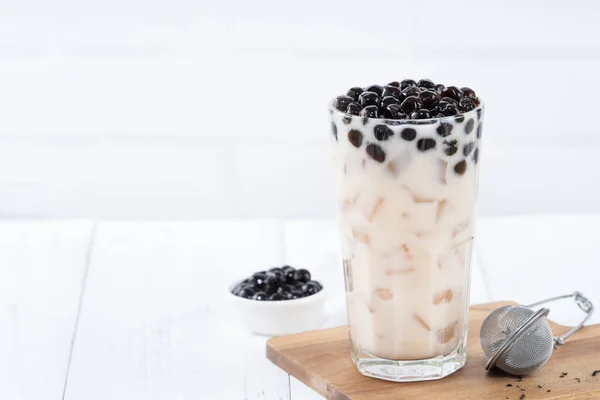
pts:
[282, 317]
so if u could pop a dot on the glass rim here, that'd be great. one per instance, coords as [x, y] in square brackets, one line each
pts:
[427, 121]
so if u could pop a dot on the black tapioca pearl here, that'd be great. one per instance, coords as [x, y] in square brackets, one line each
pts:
[411, 91]
[466, 104]
[376, 152]
[449, 100]
[382, 132]
[334, 131]
[476, 101]
[439, 88]
[368, 99]
[448, 109]
[394, 83]
[406, 83]
[479, 114]
[468, 92]
[391, 91]
[393, 111]
[353, 109]
[355, 137]
[468, 148]
[460, 119]
[479, 128]
[452, 92]
[375, 88]
[411, 104]
[429, 98]
[354, 92]
[426, 83]
[445, 129]
[469, 126]
[426, 144]
[386, 101]
[461, 167]
[476, 155]
[369, 112]
[420, 114]
[347, 119]
[408, 134]
[341, 102]
[450, 147]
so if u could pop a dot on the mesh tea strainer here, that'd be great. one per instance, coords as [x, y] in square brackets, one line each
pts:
[518, 339]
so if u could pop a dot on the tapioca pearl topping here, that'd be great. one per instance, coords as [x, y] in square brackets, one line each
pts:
[469, 126]
[368, 99]
[439, 100]
[429, 98]
[460, 119]
[426, 144]
[479, 128]
[393, 111]
[468, 148]
[353, 109]
[391, 91]
[382, 132]
[375, 152]
[375, 88]
[444, 109]
[450, 110]
[411, 91]
[461, 167]
[355, 137]
[406, 83]
[466, 104]
[468, 92]
[420, 114]
[478, 114]
[411, 104]
[450, 147]
[385, 102]
[408, 134]
[449, 100]
[476, 155]
[354, 92]
[426, 83]
[445, 129]
[369, 112]
[334, 131]
[341, 102]
[452, 92]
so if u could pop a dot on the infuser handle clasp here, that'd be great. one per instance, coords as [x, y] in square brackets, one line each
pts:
[583, 302]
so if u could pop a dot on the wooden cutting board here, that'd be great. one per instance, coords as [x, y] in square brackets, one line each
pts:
[322, 361]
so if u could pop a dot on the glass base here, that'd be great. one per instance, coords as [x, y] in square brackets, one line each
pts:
[410, 370]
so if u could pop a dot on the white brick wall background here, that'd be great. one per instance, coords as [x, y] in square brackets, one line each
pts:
[187, 109]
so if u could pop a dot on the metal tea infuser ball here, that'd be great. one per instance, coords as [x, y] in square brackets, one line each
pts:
[518, 340]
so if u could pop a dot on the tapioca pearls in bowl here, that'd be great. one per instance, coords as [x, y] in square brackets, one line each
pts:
[280, 301]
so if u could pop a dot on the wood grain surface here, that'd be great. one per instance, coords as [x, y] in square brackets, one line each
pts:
[322, 361]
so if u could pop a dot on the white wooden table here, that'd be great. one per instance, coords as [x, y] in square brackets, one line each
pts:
[137, 310]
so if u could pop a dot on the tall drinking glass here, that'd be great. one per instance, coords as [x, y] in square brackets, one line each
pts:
[406, 191]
